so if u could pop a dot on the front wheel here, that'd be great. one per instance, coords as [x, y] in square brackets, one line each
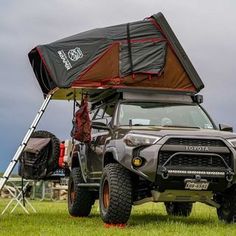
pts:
[227, 201]
[80, 200]
[178, 208]
[115, 195]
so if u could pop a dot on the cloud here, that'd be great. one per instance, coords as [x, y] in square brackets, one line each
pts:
[205, 29]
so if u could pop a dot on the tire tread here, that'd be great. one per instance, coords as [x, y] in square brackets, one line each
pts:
[120, 206]
[84, 198]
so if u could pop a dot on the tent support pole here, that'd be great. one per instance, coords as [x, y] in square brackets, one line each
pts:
[23, 144]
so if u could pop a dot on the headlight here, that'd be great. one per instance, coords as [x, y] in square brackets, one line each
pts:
[138, 139]
[232, 142]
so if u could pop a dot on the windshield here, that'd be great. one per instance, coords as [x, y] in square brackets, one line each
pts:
[165, 115]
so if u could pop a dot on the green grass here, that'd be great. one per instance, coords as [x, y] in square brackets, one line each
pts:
[148, 219]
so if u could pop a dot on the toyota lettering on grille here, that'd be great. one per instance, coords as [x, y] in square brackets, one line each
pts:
[197, 148]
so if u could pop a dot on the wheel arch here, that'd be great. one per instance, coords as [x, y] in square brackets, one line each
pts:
[75, 160]
[76, 163]
[110, 156]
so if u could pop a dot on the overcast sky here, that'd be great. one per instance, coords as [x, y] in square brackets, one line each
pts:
[206, 30]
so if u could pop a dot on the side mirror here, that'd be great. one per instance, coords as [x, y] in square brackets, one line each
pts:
[224, 127]
[198, 98]
[100, 125]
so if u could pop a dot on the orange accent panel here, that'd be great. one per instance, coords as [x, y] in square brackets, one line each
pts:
[106, 67]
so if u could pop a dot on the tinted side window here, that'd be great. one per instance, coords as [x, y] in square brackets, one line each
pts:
[104, 114]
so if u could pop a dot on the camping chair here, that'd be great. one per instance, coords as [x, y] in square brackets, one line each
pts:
[18, 194]
[30, 160]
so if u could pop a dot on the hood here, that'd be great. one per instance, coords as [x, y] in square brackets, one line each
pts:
[179, 132]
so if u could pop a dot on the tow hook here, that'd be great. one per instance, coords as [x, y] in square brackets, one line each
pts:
[164, 174]
[229, 176]
[198, 178]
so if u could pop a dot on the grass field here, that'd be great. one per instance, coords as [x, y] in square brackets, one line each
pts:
[148, 219]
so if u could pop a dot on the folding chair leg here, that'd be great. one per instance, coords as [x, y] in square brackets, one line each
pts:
[9, 203]
[33, 209]
[7, 206]
[27, 202]
[23, 207]
[18, 198]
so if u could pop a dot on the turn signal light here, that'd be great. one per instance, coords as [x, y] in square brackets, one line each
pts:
[137, 161]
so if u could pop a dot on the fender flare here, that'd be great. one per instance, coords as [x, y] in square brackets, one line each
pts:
[76, 162]
[115, 156]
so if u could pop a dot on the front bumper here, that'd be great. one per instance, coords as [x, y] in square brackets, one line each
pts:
[215, 162]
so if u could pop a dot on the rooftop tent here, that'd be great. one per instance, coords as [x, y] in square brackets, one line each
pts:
[142, 54]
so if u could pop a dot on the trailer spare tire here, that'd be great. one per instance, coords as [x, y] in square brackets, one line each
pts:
[39, 164]
[53, 149]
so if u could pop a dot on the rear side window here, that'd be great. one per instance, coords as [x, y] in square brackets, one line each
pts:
[104, 113]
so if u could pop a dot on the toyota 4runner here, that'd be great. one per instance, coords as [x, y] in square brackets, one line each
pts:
[152, 147]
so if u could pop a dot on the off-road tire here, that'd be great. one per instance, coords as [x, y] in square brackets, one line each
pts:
[54, 149]
[80, 200]
[178, 208]
[115, 195]
[227, 201]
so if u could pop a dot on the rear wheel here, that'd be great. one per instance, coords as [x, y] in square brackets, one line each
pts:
[178, 208]
[115, 196]
[80, 200]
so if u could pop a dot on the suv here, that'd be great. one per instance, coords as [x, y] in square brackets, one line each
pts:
[152, 146]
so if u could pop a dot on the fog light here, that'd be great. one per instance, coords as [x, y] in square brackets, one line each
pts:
[137, 161]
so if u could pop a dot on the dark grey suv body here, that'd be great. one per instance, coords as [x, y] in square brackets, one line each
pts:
[166, 144]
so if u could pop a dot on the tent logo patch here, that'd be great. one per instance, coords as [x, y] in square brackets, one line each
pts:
[75, 54]
[64, 59]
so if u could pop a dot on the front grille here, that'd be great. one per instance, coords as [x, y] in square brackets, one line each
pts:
[198, 159]
[195, 142]
[188, 160]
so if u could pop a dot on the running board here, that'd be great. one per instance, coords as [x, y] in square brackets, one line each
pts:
[23, 144]
[89, 185]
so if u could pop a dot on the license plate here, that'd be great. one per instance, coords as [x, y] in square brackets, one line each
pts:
[196, 185]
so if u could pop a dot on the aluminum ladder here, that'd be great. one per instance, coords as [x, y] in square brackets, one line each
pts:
[23, 144]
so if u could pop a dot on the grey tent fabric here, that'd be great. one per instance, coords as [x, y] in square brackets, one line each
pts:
[147, 57]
